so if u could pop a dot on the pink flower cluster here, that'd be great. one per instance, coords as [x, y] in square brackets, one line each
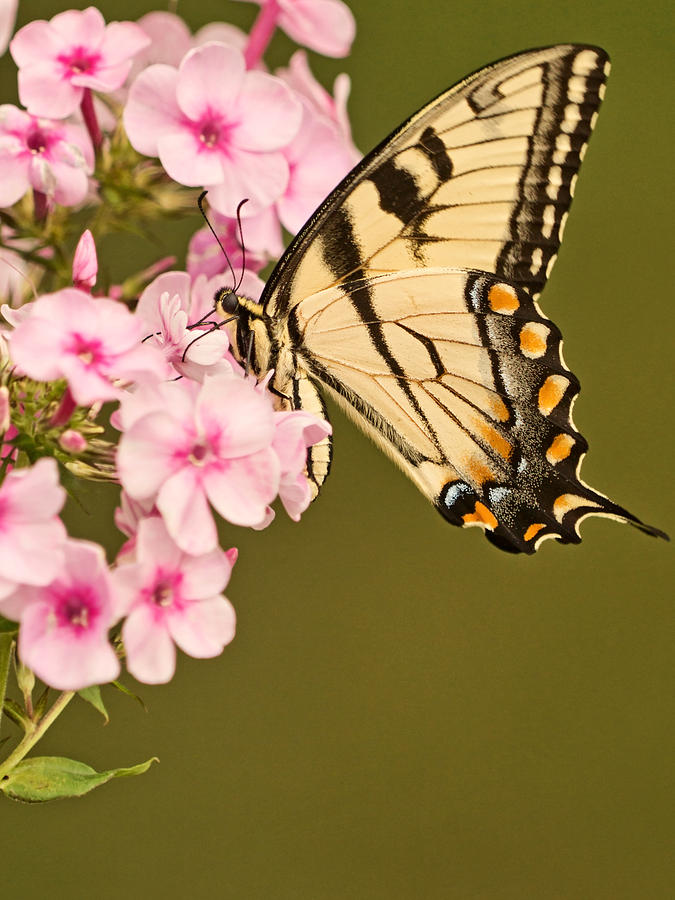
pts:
[199, 437]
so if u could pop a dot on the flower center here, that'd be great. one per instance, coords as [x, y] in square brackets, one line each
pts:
[212, 130]
[79, 61]
[37, 141]
[198, 454]
[88, 351]
[76, 610]
[162, 595]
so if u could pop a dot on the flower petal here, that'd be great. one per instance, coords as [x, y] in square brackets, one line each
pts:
[241, 491]
[151, 109]
[183, 506]
[269, 115]
[188, 160]
[326, 26]
[151, 655]
[202, 629]
[210, 77]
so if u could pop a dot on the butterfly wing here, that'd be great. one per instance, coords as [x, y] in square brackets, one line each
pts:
[460, 379]
[480, 178]
[410, 295]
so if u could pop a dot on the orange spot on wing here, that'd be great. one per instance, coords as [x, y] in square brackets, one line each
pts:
[499, 409]
[560, 448]
[495, 440]
[478, 472]
[503, 298]
[551, 393]
[533, 531]
[533, 339]
[481, 514]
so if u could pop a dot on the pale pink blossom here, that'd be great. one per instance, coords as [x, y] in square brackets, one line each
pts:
[63, 635]
[58, 60]
[295, 432]
[299, 77]
[170, 598]
[170, 40]
[32, 537]
[212, 123]
[85, 262]
[186, 445]
[94, 343]
[128, 515]
[326, 26]
[54, 158]
[167, 307]
[7, 19]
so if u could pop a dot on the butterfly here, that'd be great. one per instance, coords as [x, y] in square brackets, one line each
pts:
[410, 297]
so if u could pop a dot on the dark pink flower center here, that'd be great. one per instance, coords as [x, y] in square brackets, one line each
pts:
[199, 454]
[77, 608]
[37, 140]
[79, 61]
[162, 594]
[213, 131]
[89, 350]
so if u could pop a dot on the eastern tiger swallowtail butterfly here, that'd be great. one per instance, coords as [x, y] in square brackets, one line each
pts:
[410, 296]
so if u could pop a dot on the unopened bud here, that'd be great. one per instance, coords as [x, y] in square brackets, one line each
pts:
[72, 441]
[85, 262]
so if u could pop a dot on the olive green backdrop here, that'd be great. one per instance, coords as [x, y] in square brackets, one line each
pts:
[407, 712]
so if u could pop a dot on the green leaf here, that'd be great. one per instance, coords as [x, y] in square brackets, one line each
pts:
[14, 712]
[93, 695]
[7, 627]
[125, 690]
[43, 778]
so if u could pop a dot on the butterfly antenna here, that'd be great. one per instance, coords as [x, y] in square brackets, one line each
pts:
[241, 244]
[200, 204]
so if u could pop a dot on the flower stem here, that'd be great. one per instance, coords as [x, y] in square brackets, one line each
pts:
[6, 643]
[261, 33]
[90, 120]
[35, 732]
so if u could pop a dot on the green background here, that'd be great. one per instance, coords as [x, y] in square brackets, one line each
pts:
[406, 712]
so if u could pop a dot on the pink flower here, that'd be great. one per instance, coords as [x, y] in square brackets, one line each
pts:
[7, 18]
[170, 598]
[85, 262]
[186, 445]
[91, 342]
[326, 26]
[295, 432]
[299, 77]
[63, 635]
[128, 516]
[54, 158]
[32, 537]
[212, 123]
[167, 308]
[75, 50]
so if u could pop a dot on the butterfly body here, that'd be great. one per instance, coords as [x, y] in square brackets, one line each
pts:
[410, 297]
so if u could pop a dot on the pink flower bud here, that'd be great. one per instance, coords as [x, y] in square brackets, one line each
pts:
[72, 441]
[85, 262]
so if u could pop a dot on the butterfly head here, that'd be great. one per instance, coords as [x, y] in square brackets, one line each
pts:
[228, 303]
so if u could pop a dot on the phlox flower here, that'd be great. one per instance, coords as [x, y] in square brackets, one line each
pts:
[212, 123]
[63, 635]
[55, 158]
[170, 598]
[74, 51]
[32, 537]
[167, 307]
[93, 343]
[326, 26]
[299, 77]
[186, 445]
[295, 432]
